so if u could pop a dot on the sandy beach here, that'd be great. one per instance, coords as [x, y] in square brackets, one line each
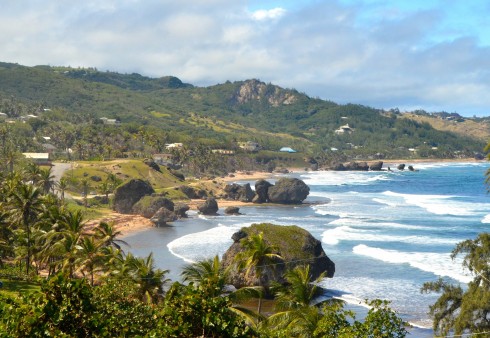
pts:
[130, 224]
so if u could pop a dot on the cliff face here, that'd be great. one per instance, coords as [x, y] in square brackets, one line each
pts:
[295, 245]
[254, 90]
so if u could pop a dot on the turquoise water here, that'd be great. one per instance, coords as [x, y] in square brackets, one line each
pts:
[387, 232]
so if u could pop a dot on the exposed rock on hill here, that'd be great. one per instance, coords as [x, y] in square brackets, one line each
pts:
[127, 194]
[254, 90]
[295, 246]
[288, 191]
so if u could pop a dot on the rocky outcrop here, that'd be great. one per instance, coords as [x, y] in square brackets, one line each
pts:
[192, 193]
[181, 209]
[293, 244]
[237, 192]
[254, 90]
[261, 191]
[232, 211]
[401, 166]
[209, 207]
[376, 166]
[163, 216]
[127, 194]
[288, 191]
[152, 164]
[149, 205]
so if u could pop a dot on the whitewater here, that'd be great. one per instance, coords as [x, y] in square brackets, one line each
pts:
[387, 232]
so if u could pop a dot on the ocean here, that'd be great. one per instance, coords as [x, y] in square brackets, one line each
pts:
[387, 232]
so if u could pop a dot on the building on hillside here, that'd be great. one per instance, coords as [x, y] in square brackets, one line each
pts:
[105, 120]
[249, 146]
[345, 129]
[3, 116]
[223, 151]
[163, 159]
[39, 158]
[287, 150]
[174, 145]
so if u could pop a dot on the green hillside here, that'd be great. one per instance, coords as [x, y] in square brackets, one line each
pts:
[219, 116]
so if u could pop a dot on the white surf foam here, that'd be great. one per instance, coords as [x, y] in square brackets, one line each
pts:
[441, 204]
[440, 264]
[336, 178]
[486, 219]
[347, 233]
[370, 223]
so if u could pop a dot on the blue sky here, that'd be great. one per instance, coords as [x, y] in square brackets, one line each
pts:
[432, 54]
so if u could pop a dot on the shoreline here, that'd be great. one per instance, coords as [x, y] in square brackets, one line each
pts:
[130, 224]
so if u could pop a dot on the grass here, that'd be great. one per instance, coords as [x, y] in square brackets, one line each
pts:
[15, 287]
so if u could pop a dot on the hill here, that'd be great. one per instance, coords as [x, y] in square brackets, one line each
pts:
[223, 114]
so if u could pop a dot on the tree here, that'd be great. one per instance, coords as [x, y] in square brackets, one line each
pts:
[465, 310]
[46, 180]
[26, 203]
[257, 255]
[107, 234]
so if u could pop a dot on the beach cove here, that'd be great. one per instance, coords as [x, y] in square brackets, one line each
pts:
[387, 232]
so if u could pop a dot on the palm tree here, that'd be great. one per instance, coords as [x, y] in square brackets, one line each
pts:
[46, 180]
[148, 279]
[85, 188]
[257, 255]
[26, 205]
[90, 256]
[295, 311]
[212, 279]
[106, 233]
[62, 186]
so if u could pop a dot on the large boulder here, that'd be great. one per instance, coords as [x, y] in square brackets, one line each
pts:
[152, 164]
[209, 207]
[294, 245]
[261, 191]
[356, 166]
[232, 210]
[163, 216]
[127, 194]
[181, 209]
[288, 191]
[147, 206]
[401, 166]
[376, 166]
[192, 192]
[237, 192]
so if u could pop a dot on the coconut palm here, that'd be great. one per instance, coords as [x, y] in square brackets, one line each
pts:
[90, 256]
[106, 233]
[26, 205]
[62, 186]
[148, 279]
[295, 311]
[257, 255]
[46, 180]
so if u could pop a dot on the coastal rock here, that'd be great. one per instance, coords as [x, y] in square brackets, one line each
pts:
[191, 192]
[401, 166]
[152, 164]
[376, 166]
[147, 206]
[127, 194]
[338, 167]
[237, 192]
[356, 166]
[261, 191]
[288, 191]
[294, 245]
[209, 207]
[163, 216]
[232, 211]
[411, 168]
[181, 210]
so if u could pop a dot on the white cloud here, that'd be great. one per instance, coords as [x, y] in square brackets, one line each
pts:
[268, 14]
[324, 49]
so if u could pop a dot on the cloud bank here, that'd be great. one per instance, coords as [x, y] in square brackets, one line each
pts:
[366, 52]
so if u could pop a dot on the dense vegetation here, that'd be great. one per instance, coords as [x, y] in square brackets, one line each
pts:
[69, 103]
[78, 281]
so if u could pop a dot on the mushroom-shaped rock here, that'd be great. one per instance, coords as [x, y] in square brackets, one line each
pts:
[376, 166]
[294, 245]
[163, 216]
[237, 192]
[127, 194]
[288, 191]
[147, 206]
[232, 211]
[180, 210]
[209, 207]
[261, 191]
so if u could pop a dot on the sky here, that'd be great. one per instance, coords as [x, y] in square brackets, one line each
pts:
[408, 54]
